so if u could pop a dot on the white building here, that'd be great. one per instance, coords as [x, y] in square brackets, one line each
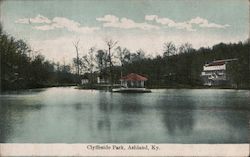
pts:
[214, 73]
[101, 80]
[84, 81]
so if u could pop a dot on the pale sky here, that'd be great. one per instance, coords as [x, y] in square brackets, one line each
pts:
[51, 26]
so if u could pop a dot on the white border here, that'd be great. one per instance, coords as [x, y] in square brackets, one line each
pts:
[218, 150]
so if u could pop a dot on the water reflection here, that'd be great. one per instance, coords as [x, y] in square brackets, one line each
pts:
[12, 113]
[130, 103]
[105, 103]
[163, 116]
[23, 92]
[77, 106]
[5, 127]
[131, 106]
[117, 115]
[177, 117]
[105, 106]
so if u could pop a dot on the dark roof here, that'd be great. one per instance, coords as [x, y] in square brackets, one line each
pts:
[134, 77]
[216, 63]
[220, 62]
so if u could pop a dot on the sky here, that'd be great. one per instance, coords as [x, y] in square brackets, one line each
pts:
[52, 26]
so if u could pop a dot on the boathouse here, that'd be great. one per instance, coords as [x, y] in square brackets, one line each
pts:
[133, 80]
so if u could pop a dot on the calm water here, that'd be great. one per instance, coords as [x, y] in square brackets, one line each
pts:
[69, 115]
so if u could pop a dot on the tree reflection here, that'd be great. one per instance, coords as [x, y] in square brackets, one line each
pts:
[130, 106]
[178, 117]
[130, 103]
[5, 125]
[106, 107]
[77, 106]
[105, 102]
[118, 112]
[13, 113]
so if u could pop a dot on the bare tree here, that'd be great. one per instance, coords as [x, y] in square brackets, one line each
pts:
[169, 49]
[111, 44]
[76, 44]
[185, 48]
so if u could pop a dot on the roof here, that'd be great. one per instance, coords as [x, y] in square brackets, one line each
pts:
[216, 63]
[220, 62]
[134, 77]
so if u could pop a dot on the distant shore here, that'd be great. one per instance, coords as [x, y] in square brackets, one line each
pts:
[38, 86]
[108, 87]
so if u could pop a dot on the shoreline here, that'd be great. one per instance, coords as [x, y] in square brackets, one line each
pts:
[39, 87]
[107, 87]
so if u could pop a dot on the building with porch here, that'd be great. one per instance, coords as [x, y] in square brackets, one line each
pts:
[215, 72]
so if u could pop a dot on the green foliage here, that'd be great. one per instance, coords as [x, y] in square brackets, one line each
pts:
[19, 70]
[177, 67]
[185, 67]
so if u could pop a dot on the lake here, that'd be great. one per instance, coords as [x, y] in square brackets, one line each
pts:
[69, 115]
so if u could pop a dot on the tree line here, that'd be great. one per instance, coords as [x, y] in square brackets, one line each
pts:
[178, 66]
[22, 67]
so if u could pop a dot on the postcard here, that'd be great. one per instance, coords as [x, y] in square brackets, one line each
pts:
[125, 78]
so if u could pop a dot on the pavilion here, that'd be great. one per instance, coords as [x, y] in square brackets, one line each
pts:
[133, 80]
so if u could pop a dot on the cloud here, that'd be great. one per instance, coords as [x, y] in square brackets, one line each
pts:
[108, 18]
[56, 23]
[204, 23]
[124, 23]
[151, 17]
[169, 22]
[38, 19]
[187, 25]
[44, 27]
[23, 21]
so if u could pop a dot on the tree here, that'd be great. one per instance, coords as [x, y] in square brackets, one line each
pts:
[169, 49]
[102, 62]
[89, 62]
[185, 48]
[22, 67]
[111, 44]
[139, 55]
[76, 44]
[123, 55]
[79, 64]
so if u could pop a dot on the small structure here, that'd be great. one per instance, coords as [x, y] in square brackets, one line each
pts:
[101, 80]
[132, 83]
[84, 80]
[214, 73]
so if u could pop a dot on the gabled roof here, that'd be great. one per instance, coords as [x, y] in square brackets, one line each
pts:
[134, 77]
